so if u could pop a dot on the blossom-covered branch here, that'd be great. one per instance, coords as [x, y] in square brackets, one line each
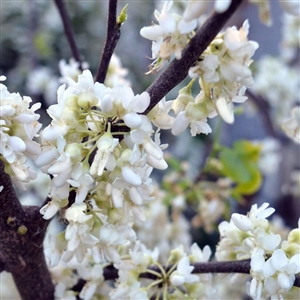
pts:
[100, 149]
[178, 69]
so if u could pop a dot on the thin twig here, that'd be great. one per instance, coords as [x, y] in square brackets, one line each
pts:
[68, 31]
[32, 28]
[112, 37]
[241, 267]
[178, 69]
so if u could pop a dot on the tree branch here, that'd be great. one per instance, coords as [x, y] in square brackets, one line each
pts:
[22, 231]
[112, 36]
[68, 31]
[241, 266]
[264, 110]
[9, 202]
[32, 26]
[178, 69]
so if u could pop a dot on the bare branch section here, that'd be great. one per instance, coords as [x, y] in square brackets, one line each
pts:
[264, 110]
[112, 36]
[241, 266]
[68, 30]
[178, 69]
[22, 231]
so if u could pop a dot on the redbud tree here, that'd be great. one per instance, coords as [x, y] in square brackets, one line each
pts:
[95, 203]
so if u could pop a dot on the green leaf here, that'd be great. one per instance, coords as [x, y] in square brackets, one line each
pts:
[41, 44]
[241, 165]
[123, 15]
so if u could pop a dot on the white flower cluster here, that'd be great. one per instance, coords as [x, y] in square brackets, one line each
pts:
[224, 74]
[168, 37]
[162, 232]
[291, 36]
[70, 69]
[100, 153]
[116, 73]
[137, 266]
[196, 8]
[224, 71]
[173, 281]
[18, 128]
[250, 237]
[42, 81]
[279, 84]
[223, 68]
[174, 32]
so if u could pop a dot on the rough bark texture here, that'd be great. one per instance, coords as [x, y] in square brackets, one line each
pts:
[22, 232]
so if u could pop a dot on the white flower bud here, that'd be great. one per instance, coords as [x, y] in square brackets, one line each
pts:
[242, 222]
[225, 110]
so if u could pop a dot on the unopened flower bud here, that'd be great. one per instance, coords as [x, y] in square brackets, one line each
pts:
[294, 236]
[87, 100]
[22, 230]
[75, 152]
[197, 111]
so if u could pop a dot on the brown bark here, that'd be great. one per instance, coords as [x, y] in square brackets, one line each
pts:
[22, 231]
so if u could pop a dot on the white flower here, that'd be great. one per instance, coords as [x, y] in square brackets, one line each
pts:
[94, 277]
[104, 156]
[208, 68]
[110, 237]
[159, 115]
[169, 37]
[82, 181]
[133, 106]
[116, 74]
[194, 10]
[70, 69]
[50, 209]
[222, 5]
[225, 109]
[291, 37]
[78, 232]
[197, 126]
[18, 128]
[131, 292]
[260, 270]
[271, 83]
[42, 81]
[183, 273]
[291, 7]
[292, 126]
[286, 268]
[198, 255]
[255, 217]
